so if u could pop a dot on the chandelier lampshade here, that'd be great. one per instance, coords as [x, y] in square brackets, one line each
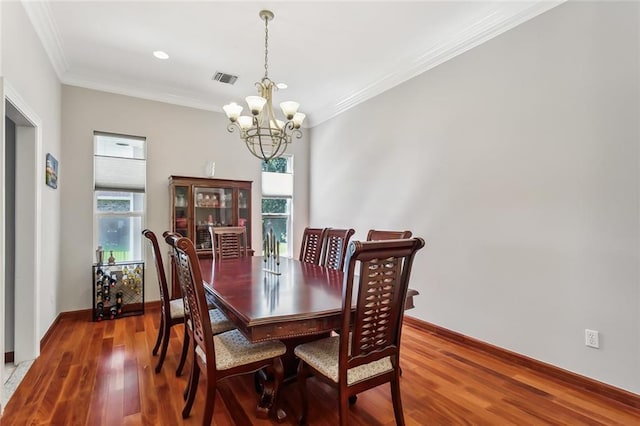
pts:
[265, 135]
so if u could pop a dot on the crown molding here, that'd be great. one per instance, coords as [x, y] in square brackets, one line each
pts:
[502, 19]
[41, 18]
[505, 17]
[130, 89]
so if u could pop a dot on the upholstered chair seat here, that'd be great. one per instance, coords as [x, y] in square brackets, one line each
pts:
[322, 355]
[219, 322]
[176, 308]
[233, 349]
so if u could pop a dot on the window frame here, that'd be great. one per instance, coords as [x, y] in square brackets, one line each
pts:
[137, 243]
[289, 198]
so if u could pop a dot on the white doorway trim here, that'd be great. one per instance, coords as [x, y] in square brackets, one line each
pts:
[29, 244]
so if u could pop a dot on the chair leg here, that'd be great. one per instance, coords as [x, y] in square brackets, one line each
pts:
[191, 372]
[344, 408]
[160, 333]
[192, 388]
[302, 390]
[278, 370]
[397, 402]
[210, 401]
[183, 356]
[163, 348]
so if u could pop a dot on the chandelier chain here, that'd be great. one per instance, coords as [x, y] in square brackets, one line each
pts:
[266, 47]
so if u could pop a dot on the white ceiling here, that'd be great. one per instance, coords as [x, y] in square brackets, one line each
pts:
[332, 55]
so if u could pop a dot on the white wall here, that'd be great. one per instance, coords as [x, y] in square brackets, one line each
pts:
[26, 67]
[180, 141]
[518, 163]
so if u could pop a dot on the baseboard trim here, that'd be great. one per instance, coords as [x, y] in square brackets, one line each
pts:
[611, 392]
[8, 357]
[47, 336]
[83, 315]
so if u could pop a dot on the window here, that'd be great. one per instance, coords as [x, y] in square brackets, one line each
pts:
[119, 166]
[277, 201]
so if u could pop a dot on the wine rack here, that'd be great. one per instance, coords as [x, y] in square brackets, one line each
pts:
[118, 290]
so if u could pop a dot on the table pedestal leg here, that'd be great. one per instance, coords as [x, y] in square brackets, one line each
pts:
[264, 381]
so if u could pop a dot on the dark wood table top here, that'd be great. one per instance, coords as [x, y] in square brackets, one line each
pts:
[305, 299]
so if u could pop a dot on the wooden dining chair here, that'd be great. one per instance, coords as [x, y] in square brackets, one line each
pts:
[171, 310]
[219, 322]
[228, 242]
[311, 248]
[378, 235]
[334, 247]
[366, 352]
[223, 355]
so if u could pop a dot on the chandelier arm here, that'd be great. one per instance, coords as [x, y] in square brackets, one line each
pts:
[231, 127]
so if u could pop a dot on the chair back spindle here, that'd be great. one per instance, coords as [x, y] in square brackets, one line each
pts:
[311, 248]
[335, 246]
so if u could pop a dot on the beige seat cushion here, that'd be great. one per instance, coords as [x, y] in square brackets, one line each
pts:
[233, 349]
[323, 356]
[176, 308]
[219, 322]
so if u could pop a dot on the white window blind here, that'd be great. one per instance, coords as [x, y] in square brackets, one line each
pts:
[119, 163]
[277, 184]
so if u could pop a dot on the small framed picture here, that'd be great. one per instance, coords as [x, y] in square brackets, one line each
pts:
[51, 175]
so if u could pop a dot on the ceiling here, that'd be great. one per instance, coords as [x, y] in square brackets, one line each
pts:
[332, 55]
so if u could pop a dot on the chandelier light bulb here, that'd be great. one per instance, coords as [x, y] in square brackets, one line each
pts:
[232, 110]
[298, 118]
[256, 103]
[245, 122]
[289, 108]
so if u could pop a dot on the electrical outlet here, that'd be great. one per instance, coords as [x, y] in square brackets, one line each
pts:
[591, 338]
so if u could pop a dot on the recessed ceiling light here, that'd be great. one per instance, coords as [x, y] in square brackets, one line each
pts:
[160, 54]
[282, 85]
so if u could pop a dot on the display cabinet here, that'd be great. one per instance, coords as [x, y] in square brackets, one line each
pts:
[199, 202]
[118, 290]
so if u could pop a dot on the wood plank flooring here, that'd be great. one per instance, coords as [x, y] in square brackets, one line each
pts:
[103, 374]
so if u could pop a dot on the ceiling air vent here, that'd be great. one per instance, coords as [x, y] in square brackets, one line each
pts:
[225, 78]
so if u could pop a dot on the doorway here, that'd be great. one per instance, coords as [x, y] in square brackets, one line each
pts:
[21, 239]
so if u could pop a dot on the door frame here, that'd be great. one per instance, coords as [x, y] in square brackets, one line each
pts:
[27, 295]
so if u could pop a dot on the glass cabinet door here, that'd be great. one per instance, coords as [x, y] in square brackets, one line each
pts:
[212, 206]
[244, 212]
[181, 210]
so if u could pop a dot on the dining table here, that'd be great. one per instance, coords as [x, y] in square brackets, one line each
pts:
[269, 299]
[284, 299]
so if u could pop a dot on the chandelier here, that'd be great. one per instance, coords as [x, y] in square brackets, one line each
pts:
[265, 135]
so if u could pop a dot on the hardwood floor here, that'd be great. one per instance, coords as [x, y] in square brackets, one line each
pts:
[102, 374]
